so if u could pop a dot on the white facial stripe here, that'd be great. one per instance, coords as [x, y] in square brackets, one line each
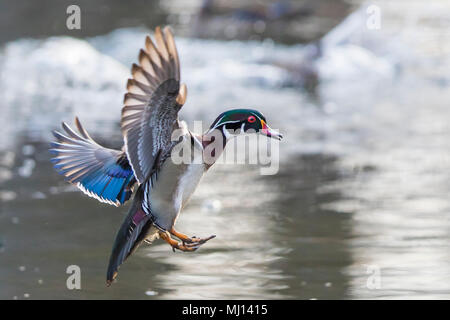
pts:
[226, 133]
[222, 124]
[230, 122]
[218, 121]
[257, 117]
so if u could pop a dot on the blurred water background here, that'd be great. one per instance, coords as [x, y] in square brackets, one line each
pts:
[364, 167]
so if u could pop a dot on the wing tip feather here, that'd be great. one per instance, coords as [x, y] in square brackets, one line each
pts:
[182, 95]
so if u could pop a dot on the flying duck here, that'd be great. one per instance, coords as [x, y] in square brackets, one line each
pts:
[146, 164]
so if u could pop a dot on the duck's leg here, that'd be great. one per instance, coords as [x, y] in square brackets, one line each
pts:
[180, 235]
[185, 239]
[177, 245]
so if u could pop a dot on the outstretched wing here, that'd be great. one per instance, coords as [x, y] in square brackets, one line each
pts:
[102, 173]
[151, 106]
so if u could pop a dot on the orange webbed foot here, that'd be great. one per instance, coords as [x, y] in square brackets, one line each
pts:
[187, 243]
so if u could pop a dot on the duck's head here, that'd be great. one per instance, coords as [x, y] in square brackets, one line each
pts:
[241, 121]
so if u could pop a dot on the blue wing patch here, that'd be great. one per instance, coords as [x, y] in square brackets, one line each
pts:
[108, 185]
[101, 173]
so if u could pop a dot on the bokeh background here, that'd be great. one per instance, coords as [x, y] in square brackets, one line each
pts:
[363, 183]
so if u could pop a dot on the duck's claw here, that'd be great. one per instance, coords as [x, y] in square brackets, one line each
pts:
[177, 245]
[186, 244]
[189, 240]
[200, 241]
[185, 247]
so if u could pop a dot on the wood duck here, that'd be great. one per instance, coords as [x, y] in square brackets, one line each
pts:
[145, 164]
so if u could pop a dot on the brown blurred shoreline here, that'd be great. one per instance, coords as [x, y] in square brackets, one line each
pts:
[293, 21]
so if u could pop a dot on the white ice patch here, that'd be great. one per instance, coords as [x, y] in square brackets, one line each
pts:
[46, 81]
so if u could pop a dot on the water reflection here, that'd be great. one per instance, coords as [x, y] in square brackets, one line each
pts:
[317, 237]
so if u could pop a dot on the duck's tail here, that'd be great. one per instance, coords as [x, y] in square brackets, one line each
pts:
[136, 228]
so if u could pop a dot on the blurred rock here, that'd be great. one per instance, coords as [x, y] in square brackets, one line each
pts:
[285, 21]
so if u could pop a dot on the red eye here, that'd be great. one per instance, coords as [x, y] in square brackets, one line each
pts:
[251, 119]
